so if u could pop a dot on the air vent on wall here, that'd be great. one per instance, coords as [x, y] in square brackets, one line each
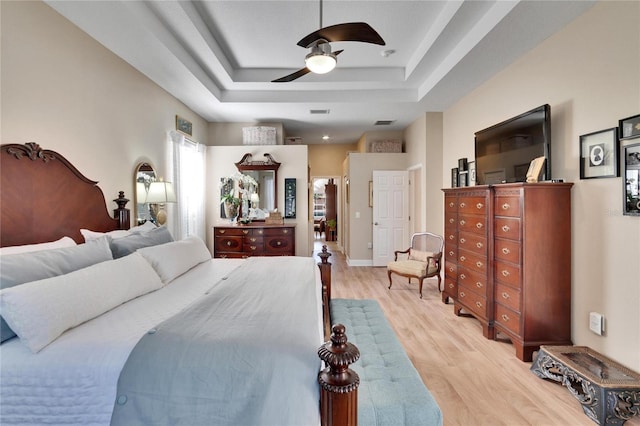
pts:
[318, 111]
[383, 122]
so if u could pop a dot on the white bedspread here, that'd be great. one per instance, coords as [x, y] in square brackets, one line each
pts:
[74, 379]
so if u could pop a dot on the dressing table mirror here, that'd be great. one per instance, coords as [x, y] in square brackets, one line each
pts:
[264, 198]
[144, 174]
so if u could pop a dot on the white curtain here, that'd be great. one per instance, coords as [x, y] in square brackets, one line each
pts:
[188, 176]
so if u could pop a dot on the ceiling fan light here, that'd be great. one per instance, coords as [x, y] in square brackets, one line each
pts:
[320, 63]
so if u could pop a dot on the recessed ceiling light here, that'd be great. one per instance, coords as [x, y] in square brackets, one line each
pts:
[325, 138]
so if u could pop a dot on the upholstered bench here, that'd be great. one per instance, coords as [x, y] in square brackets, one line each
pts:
[391, 391]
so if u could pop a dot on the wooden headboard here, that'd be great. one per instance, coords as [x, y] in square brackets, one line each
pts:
[43, 197]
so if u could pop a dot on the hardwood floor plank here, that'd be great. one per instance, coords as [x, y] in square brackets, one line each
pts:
[475, 381]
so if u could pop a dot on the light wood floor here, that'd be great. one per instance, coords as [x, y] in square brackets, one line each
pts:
[475, 381]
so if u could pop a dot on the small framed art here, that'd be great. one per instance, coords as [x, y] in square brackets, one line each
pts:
[184, 126]
[631, 178]
[630, 127]
[472, 173]
[599, 154]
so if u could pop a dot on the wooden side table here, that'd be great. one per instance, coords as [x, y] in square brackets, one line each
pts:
[609, 392]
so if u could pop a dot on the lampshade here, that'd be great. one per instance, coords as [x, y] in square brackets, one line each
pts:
[161, 192]
[321, 60]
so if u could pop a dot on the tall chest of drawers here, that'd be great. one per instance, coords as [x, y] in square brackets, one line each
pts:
[467, 253]
[527, 286]
[253, 240]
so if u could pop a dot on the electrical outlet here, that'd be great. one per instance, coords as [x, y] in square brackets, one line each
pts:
[596, 323]
[370, 245]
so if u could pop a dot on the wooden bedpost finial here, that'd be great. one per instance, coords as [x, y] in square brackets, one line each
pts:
[338, 383]
[122, 213]
[324, 254]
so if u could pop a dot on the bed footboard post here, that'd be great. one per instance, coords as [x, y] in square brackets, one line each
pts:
[338, 383]
[325, 270]
[122, 214]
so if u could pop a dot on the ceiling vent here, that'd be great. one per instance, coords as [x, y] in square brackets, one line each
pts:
[383, 122]
[318, 111]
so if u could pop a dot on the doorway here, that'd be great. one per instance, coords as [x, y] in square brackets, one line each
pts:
[390, 214]
[325, 208]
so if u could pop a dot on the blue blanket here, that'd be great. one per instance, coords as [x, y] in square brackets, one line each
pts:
[244, 354]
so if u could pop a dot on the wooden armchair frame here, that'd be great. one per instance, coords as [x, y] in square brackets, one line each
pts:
[421, 241]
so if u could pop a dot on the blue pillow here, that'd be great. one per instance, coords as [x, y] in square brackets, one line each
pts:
[126, 245]
[16, 269]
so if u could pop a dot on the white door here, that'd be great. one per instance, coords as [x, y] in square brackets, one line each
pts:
[390, 214]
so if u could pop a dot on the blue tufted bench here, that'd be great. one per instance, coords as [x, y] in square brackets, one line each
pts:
[391, 391]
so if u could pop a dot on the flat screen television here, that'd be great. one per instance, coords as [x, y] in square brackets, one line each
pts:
[505, 150]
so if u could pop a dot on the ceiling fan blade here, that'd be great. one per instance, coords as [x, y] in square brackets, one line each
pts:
[350, 31]
[292, 76]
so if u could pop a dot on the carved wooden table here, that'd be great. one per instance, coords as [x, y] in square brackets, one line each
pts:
[609, 392]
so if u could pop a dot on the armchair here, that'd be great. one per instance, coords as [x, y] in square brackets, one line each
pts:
[423, 259]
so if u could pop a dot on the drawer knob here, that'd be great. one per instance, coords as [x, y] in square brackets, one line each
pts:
[450, 285]
[505, 273]
[479, 245]
[261, 231]
[505, 295]
[505, 228]
[479, 304]
[229, 243]
[253, 248]
[279, 243]
[245, 231]
[451, 237]
[462, 294]
[479, 206]
[506, 206]
[451, 204]
[505, 317]
[463, 205]
[451, 253]
[253, 239]
[505, 250]
[479, 264]
[463, 240]
[479, 225]
[451, 220]
[463, 277]
[223, 256]
[463, 258]
[462, 222]
[451, 269]
[478, 284]
[222, 231]
[285, 231]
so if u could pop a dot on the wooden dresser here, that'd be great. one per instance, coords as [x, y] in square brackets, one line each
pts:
[254, 240]
[528, 247]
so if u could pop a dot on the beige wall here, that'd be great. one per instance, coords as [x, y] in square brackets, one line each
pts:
[293, 158]
[326, 159]
[589, 74]
[63, 90]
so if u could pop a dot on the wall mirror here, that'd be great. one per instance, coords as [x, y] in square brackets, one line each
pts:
[264, 198]
[144, 174]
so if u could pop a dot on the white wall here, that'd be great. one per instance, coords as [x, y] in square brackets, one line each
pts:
[221, 163]
[590, 75]
[66, 92]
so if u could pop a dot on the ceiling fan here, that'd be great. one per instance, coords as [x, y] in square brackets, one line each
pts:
[321, 59]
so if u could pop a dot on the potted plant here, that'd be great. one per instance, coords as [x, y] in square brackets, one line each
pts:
[231, 204]
[332, 224]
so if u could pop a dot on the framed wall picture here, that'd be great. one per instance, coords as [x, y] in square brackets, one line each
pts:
[184, 126]
[631, 177]
[630, 127]
[599, 154]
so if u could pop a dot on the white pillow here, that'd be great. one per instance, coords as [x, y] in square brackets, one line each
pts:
[92, 235]
[173, 259]
[62, 242]
[147, 226]
[40, 311]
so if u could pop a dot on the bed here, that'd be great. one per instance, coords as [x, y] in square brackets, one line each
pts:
[162, 334]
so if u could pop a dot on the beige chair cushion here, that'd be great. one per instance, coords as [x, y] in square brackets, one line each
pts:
[419, 255]
[413, 267]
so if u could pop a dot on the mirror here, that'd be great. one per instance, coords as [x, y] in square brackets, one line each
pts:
[264, 198]
[144, 174]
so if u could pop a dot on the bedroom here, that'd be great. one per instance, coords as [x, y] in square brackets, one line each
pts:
[49, 67]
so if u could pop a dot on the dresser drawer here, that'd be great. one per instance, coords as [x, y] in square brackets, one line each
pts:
[510, 297]
[450, 204]
[237, 231]
[472, 223]
[278, 232]
[450, 285]
[472, 205]
[507, 273]
[472, 261]
[507, 206]
[507, 228]
[229, 243]
[255, 247]
[472, 301]
[278, 245]
[473, 242]
[473, 281]
[451, 270]
[508, 250]
[508, 318]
